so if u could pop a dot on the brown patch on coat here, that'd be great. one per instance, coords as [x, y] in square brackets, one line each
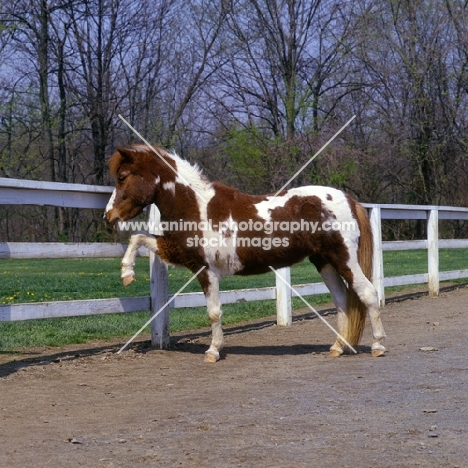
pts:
[229, 201]
[173, 249]
[321, 247]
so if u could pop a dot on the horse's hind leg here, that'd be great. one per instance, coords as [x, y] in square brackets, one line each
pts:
[338, 291]
[128, 260]
[368, 295]
[210, 284]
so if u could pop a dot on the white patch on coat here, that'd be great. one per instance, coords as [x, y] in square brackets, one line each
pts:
[220, 251]
[169, 186]
[264, 207]
[110, 203]
[154, 227]
[222, 255]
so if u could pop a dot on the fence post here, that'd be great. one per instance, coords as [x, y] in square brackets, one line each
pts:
[433, 252]
[159, 292]
[283, 297]
[377, 257]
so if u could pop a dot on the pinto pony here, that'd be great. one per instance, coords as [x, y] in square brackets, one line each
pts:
[208, 224]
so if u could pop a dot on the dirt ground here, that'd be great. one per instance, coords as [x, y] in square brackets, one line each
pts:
[276, 399]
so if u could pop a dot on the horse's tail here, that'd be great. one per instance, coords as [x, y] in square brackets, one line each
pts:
[356, 310]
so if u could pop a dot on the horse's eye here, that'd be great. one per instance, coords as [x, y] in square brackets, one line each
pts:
[123, 175]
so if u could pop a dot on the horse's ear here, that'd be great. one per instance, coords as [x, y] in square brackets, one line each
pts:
[127, 153]
[122, 155]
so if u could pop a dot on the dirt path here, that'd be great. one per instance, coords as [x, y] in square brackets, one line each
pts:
[276, 399]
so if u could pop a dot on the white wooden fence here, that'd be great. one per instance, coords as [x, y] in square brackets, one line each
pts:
[25, 192]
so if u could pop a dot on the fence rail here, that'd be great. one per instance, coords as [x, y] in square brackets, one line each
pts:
[25, 192]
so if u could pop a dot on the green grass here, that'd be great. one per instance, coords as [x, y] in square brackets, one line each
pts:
[61, 280]
[412, 262]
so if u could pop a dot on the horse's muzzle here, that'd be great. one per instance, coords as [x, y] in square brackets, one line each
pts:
[110, 218]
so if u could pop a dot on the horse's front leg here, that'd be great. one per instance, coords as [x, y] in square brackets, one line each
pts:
[213, 304]
[128, 260]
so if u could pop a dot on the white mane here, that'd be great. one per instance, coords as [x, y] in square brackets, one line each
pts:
[190, 174]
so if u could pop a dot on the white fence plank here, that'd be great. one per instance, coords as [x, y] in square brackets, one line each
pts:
[406, 279]
[41, 310]
[453, 243]
[51, 198]
[310, 289]
[397, 211]
[452, 214]
[227, 297]
[22, 184]
[404, 245]
[389, 213]
[30, 250]
[32, 192]
[197, 299]
[451, 275]
[388, 246]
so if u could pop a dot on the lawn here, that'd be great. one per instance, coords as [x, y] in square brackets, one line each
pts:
[61, 280]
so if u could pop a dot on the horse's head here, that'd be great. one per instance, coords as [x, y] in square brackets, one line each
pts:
[137, 176]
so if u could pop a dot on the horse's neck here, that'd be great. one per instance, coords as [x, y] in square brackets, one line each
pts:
[181, 205]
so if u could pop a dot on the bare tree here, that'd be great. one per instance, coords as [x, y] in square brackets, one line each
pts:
[96, 28]
[32, 38]
[288, 56]
[198, 52]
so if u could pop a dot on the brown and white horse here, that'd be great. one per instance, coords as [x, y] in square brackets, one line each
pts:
[207, 224]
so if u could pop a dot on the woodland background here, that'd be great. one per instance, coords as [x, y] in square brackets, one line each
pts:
[248, 89]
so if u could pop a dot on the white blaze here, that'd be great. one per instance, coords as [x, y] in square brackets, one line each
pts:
[110, 203]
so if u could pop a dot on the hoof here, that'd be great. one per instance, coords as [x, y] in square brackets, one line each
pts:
[335, 353]
[377, 352]
[126, 280]
[210, 357]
